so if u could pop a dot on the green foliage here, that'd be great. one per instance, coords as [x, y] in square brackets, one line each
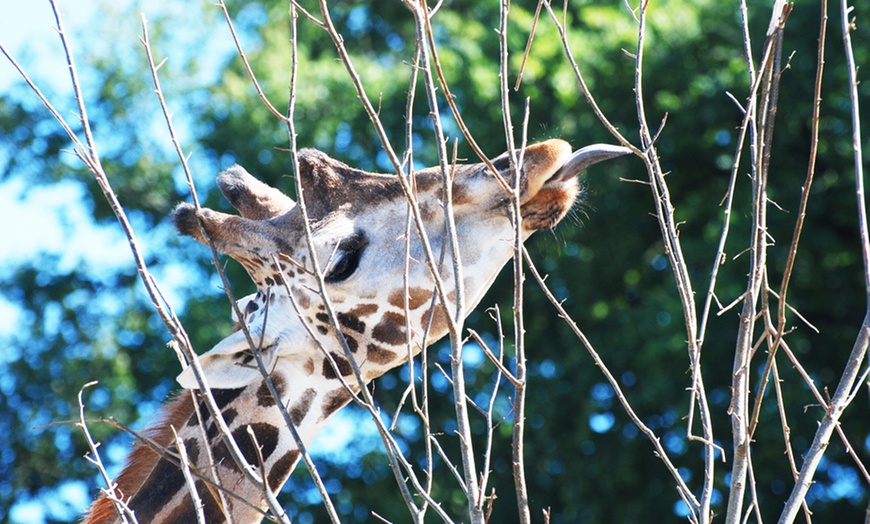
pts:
[586, 461]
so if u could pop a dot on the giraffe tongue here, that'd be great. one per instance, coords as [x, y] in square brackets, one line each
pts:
[583, 158]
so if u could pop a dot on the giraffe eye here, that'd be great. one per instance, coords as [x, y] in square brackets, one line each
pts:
[347, 258]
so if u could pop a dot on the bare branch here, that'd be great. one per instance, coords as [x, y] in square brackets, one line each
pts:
[156, 79]
[124, 512]
[682, 488]
[673, 249]
[842, 395]
[277, 114]
[184, 463]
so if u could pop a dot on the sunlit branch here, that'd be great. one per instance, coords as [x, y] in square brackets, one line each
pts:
[124, 512]
[852, 370]
[248, 470]
[184, 464]
[674, 251]
[682, 488]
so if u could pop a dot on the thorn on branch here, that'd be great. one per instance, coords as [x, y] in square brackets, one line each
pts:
[659, 131]
[736, 102]
[634, 181]
[632, 11]
[787, 63]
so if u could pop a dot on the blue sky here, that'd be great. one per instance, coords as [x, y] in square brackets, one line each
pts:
[27, 31]
[47, 218]
[53, 219]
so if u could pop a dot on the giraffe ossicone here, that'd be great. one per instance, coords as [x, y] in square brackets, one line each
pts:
[379, 284]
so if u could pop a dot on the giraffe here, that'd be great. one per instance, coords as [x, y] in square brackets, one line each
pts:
[357, 222]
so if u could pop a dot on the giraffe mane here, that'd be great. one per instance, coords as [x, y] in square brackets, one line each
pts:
[144, 458]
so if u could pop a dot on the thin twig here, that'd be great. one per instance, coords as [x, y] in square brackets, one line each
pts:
[193, 360]
[429, 37]
[111, 490]
[166, 114]
[494, 359]
[761, 141]
[291, 132]
[94, 165]
[786, 434]
[528, 45]
[842, 394]
[683, 489]
[673, 249]
[184, 464]
[397, 460]
[277, 114]
[516, 161]
[563, 35]
[463, 428]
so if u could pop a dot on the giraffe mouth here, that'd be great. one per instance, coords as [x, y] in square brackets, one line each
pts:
[552, 164]
[552, 184]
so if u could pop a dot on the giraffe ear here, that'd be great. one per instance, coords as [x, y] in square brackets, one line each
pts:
[230, 364]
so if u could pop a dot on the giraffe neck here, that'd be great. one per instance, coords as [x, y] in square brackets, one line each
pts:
[154, 487]
[309, 385]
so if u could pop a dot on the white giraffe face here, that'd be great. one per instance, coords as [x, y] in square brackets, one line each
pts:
[358, 222]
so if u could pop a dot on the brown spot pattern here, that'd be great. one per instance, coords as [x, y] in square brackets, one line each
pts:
[222, 398]
[163, 483]
[391, 329]
[364, 310]
[426, 211]
[303, 299]
[352, 343]
[192, 447]
[417, 297]
[340, 362]
[439, 322]
[425, 180]
[461, 195]
[264, 396]
[267, 437]
[185, 512]
[251, 307]
[302, 406]
[351, 321]
[281, 470]
[210, 507]
[211, 432]
[229, 415]
[379, 355]
[333, 401]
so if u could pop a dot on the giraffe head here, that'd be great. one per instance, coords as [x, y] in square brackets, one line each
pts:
[379, 284]
[358, 223]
